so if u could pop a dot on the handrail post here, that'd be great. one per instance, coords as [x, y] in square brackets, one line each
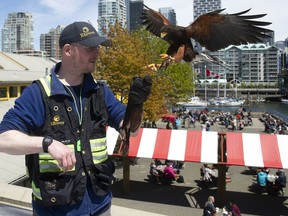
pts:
[126, 175]
[221, 192]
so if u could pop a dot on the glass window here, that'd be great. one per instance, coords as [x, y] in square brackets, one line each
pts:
[22, 88]
[3, 93]
[13, 91]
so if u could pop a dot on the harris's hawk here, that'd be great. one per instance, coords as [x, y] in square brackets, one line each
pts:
[212, 30]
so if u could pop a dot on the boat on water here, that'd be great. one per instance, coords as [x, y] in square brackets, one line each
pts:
[219, 101]
[284, 100]
[194, 102]
[258, 99]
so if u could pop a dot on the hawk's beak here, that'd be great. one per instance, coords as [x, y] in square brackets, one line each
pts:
[163, 34]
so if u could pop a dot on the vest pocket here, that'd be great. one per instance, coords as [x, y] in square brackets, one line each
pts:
[104, 176]
[58, 190]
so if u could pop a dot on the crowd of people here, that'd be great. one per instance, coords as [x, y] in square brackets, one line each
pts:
[232, 121]
[273, 125]
[237, 120]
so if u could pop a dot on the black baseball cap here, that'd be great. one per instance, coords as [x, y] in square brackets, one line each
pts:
[83, 33]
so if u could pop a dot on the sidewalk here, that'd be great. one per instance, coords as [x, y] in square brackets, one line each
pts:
[122, 211]
[188, 199]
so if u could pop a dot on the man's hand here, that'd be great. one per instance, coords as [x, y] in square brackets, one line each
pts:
[140, 90]
[63, 154]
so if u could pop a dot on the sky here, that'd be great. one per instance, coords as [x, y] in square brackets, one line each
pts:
[49, 14]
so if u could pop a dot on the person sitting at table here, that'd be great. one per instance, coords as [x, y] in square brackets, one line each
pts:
[178, 165]
[241, 125]
[155, 174]
[169, 173]
[281, 180]
[158, 162]
[262, 178]
[210, 209]
[209, 175]
[168, 126]
[234, 209]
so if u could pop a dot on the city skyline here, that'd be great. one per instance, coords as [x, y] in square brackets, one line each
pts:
[49, 14]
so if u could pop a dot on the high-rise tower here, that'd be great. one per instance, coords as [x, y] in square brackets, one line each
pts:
[110, 11]
[50, 42]
[169, 13]
[205, 6]
[134, 10]
[17, 33]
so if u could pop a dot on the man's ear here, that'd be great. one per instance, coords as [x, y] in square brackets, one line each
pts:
[67, 48]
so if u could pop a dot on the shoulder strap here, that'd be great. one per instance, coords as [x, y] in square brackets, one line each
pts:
[45, 85]
[100, 106]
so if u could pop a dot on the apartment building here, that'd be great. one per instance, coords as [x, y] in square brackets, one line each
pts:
[17, 33]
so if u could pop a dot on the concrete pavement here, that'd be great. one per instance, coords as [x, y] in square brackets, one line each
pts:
[188, 199]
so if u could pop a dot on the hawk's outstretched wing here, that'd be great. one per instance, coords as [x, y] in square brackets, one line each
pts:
[216, 31]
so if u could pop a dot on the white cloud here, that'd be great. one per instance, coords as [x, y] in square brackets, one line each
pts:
[64, 12]
[63, 7]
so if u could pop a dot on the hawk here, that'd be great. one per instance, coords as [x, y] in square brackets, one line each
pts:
[213, 30]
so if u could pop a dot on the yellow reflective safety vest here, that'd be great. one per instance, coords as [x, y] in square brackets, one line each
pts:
[50, 184]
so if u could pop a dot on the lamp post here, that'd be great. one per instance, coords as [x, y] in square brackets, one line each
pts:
[218, 88]
[193, 79]
[205, 84]
[225, 85]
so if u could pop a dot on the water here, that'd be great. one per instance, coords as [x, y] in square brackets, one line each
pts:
[277, 108]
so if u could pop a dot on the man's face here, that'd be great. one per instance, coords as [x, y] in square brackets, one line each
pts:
[84, 58]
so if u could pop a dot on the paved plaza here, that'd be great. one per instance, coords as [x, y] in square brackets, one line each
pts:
[188, 199]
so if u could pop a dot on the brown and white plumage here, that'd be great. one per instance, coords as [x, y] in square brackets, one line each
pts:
[213, 31]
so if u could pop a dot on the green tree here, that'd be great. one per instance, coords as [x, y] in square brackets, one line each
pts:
[129, 56]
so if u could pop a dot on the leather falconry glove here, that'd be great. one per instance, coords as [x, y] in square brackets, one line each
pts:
[140, 90]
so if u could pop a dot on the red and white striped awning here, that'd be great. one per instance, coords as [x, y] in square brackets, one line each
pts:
[257, 150]
[181, 145]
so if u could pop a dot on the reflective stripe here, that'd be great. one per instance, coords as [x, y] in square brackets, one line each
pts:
[51, 166]
[45, 156]
[99, 159]
[48, 164]
[46, 84]
[99, 150]
[36, 191]
[98, 144]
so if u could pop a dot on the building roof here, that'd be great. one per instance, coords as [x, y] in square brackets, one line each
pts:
[20, 68]
[19, 76]
[257, 46]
